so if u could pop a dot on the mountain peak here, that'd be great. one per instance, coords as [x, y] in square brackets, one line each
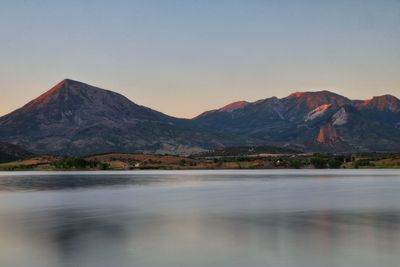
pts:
[383, 102]
[315, 99]
[234, 105]
[312, 93]
[77, 118]
[62, 89]
[69, 82]
[44, 98]
[70, 96]
[297, 94]
[386, 98]
[64, 82]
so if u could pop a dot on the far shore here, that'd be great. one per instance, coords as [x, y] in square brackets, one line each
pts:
[125, 161]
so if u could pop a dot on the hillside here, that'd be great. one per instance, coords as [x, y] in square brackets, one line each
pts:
[313, 121]
[9, 152]
[74, 118]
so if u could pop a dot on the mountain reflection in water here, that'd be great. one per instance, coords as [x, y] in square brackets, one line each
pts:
[203, 219]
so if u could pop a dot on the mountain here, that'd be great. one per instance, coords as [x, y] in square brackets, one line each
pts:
[313, 121]
[75, 118]
[9, 152]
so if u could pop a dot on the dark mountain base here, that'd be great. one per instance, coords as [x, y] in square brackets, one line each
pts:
[9, 152]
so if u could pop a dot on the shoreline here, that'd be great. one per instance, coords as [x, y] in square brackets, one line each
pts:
[132, 162]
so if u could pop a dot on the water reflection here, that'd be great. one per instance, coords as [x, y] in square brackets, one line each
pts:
[35, 181]
[302, 223]
[57, 182]
[117, 238]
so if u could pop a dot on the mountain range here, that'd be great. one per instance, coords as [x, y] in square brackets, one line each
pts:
[75, 118]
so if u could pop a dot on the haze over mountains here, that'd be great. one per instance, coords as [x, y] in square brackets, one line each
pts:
[75, 118]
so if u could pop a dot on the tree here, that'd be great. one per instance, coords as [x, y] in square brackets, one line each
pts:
[319, 162]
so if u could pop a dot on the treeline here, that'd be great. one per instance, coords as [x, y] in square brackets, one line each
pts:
[295, 161]
[277, 161]
[316, 161]
[79, 163]
[320, 161]
[247, 150]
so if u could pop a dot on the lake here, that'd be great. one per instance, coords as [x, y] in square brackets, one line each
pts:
[278, 218]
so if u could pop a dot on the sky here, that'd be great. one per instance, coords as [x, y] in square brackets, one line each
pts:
[183, 57]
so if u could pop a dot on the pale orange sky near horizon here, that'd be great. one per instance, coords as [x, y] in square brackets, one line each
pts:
[185, 57]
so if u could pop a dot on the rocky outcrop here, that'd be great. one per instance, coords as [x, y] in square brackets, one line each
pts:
[340, 118]
[317, 112]
[328, 135]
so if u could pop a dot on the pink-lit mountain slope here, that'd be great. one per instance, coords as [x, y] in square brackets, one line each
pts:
[76, 118]
[314, 121]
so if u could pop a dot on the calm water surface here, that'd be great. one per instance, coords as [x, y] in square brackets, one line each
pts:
[305, 218]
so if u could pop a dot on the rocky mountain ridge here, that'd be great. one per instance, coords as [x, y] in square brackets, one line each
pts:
[75, 118]
[314, 121]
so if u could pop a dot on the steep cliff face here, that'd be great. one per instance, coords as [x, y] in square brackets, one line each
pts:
[328, 135]
[341, 117]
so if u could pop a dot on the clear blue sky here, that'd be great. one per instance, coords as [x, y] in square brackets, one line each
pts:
[184, 57]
